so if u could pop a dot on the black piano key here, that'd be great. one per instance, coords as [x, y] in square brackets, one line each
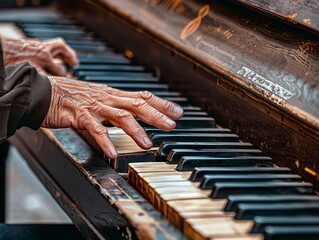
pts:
[292, 233]
[192, 108]
[180, 101]
[139, 87]
[86, 74]
[189, 111]
[47, 26]
[260, 223]
[195, 114]
[66, 30]
[187, 122]
[249, 211]
[121, 79]
[100, 56]
[208, 181]
[166, 147]
[48, 21]
[111, 68]
[47, 36]
[199, 172]
[176, 154]
[89, 48]
[150, 130]
[93, 43]
[157, 139]
[92, 60]
[235, 200]
[223, 190]
[167, 94]
[66, 38]
[190, 162]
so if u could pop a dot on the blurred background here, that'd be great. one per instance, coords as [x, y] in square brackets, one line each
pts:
[27, 201]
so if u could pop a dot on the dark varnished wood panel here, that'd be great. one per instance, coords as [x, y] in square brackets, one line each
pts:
[303, 13]
[289, 142]
[97, 199]
[269, 60]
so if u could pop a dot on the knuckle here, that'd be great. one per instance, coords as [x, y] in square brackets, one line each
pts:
[43, 54]
[59, 39]
[97, 86]
[138, 102]
[46, 52]
[98, 129]
[138, 131]
[146, 94]
[81, 115]
[123, 114]
[96, 108]
[108, 89]
[82, 119]
[158, 115]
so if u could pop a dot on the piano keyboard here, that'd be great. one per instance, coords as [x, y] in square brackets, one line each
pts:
[207, 182]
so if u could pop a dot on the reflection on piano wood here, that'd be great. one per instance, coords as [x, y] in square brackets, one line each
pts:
[267, 80]
[256, 76]
[304, 14]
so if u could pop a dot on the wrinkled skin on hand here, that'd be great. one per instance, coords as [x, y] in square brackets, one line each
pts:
[40, 54]
[84, 105]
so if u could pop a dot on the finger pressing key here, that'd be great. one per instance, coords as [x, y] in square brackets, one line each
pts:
[82, 105]
[99, 133]
[125, 120]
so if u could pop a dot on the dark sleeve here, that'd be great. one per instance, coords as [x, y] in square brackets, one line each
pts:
[24, 97]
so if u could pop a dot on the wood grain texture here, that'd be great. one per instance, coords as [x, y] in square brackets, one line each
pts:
[97, 199]
[282, 129]
[303, 13]
[273, 62]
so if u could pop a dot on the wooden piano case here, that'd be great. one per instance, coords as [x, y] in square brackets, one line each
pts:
[256, 76]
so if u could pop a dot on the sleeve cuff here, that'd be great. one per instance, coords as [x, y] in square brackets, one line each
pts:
[40, 100]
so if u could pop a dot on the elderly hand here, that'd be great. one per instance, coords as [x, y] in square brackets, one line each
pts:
[84, 105]
[40, 54]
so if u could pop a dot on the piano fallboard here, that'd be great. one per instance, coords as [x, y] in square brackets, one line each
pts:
[256, 76]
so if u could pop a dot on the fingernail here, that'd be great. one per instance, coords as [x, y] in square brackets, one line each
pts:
[113, 152]
[147, 142]
[169, 122]
[178, 111]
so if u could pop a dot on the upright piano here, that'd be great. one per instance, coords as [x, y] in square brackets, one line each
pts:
[243, 162]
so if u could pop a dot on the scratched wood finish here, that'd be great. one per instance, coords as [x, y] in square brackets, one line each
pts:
[97, 199]
[271, 61]
[303, 13]
[287, 130]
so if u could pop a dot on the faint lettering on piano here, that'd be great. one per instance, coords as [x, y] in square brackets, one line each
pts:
[194, 24]
[206, 48]
[265, 83]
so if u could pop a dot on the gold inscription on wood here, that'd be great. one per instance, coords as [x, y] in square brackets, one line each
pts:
[194, 24]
